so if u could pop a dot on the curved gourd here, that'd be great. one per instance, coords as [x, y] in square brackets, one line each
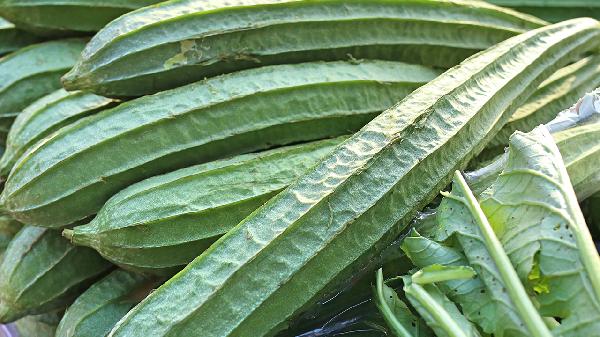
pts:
[12, 38]
[340, 214]
[45, 116]
[100, 307]
[197, 205]
[42, 272]
[188, 40]
[32, 72]
[66, 17]
[72, 174]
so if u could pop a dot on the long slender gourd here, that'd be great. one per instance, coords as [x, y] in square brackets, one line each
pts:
[101, 306]
[188, 40]
[42, 272]
[66, 17]
[197, 205]
[45, 116]
[12, 39]
[559, 92]
[302, 243]
[554, 10]
[33, 72]
[580, 166]
[71, 175]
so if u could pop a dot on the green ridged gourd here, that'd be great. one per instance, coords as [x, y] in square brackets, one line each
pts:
[12, 38]
[45, 116]
[324, 227]
[72, 174]
[197, 205]
[42, 272]
[32, 72]
[187, 40]
[101, 306]
[554, 10]
[52, 18]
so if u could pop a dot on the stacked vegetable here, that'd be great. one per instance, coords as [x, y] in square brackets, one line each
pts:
[208, 168]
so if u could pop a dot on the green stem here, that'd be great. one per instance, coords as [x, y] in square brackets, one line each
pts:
[437, 312]
[551, 323]
[396, 327]
[516, 291]
[430, 275]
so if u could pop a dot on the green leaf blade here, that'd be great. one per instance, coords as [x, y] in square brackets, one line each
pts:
[461, 216]
[476, 303]
[533, 209]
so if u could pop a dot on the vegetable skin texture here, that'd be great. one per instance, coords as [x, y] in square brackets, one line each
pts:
[310, 237]
[54, 18]
[96, 311]
[12, 39]
[188, 40]
[33, 72]
[72, 174]
[197, 205]
[559, 92]
[42, 272]
[554, 10]
[45, 116]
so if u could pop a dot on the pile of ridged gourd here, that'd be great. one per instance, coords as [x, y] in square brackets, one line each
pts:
[221, 168]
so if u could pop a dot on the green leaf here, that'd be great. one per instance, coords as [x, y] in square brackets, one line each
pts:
[534, 211]
[439, 312]
[476, 302]
[396, 313]
[460, 216]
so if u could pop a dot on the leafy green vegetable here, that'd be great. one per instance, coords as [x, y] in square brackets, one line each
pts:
[528, 218]
[475, 301]
[533, 209]
[460, 215]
